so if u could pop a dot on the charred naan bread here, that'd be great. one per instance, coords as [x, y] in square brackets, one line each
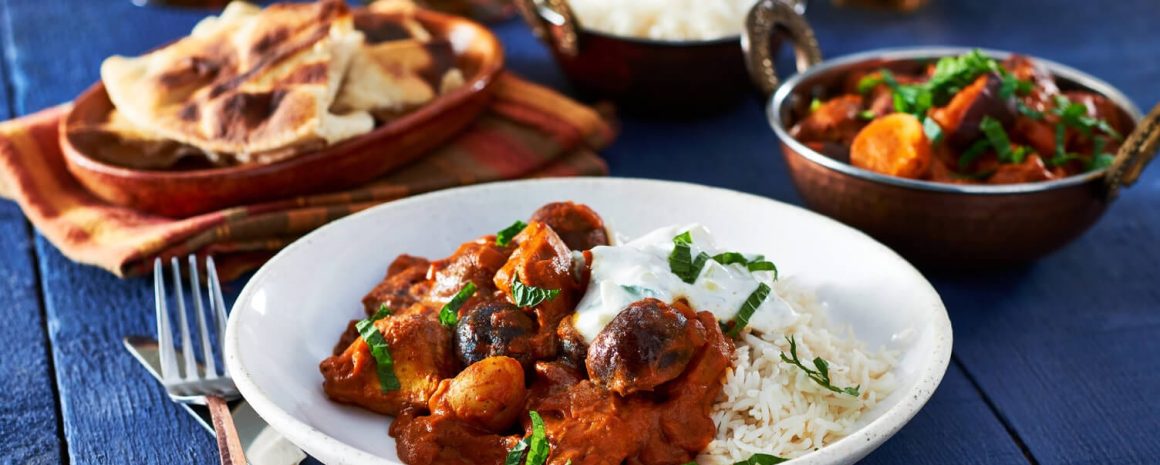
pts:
[400, 68]
[249, 83]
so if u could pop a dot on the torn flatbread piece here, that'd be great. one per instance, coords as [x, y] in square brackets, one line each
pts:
[249, 82]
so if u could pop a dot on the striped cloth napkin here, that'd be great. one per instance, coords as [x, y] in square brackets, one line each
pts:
[529, 131]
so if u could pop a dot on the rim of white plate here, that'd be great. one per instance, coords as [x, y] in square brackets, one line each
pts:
[846, 450]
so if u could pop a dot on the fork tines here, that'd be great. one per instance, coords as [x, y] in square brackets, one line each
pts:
[171, 376]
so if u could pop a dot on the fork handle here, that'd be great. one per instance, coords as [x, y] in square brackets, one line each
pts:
[229, 446]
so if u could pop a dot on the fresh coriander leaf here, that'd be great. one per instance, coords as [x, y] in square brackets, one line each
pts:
[932, 129]
[381, 313]
[972, 153]
[763, 265]
[538, 448]
[761, 459]
[815, 104]
[681, 261]
[516, 453]
[525, 296]
[1028, 111]
[449, 314]
[822, 373]
[869, 82]
[755, 299]
[867, 115]
[384, 364]
[1060, 141]
[730, 258]
[504, 236]
[993, 129]
[1102, 161]
[1013, 86]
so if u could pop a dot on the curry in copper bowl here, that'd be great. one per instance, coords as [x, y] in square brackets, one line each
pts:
[954, 157]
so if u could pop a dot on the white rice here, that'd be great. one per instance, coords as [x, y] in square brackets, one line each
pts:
[769, 406]
[668, 20]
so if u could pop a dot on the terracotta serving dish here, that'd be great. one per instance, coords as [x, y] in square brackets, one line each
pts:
[182, 193]
[641, 75]
[948, 224]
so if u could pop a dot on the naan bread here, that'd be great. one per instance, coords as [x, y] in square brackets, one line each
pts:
[250, 82]
[395, 76]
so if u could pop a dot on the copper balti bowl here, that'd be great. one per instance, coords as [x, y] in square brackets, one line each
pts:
[643, 76]
[938, 224]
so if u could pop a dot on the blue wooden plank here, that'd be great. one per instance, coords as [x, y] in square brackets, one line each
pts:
[28, 409]
[114, 412]
[956, 426]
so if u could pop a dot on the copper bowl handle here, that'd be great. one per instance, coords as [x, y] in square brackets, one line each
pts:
[1138, 150]
[559, 30]
[766, 18]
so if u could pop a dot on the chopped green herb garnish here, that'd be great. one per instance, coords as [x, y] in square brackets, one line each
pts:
[951, 75]
[1074, 115]
[1102, 161]
[755, 299]
[536, 445]
[867, 115]
[383, 312]
[526, 296]
[869, 82]
[933, 131]
[762, 459]
[763, 265]
[1028, 111]
[729, 258]
[538, 448]
[822, 373]
[1013, 86]
[384, 364]
[758, 263]
[449, 314]
[972, 153]
[504, 237]
[516, 453]
[815, 104]
[998, 139]
[681, 261]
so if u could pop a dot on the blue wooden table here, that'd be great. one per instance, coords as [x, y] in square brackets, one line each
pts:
[1054, 362]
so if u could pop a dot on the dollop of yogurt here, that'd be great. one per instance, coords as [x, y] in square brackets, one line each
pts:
[623, 274]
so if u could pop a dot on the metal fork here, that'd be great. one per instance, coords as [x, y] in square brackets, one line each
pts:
[204, 384]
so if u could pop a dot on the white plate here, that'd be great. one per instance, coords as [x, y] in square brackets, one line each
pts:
[291, 313]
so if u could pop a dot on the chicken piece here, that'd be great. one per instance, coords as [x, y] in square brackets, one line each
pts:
[573, 347]
[645, 345]
[404, 285]
[1031, 169]
[589, 425]
[684, 420]
[446, 440]
[1026, 69]
[960, 118]
[492, 328]
[835, 121]
[476, 261]
[544, 261]
[423, 355]
[895, 145]
[577, 225]
[489, 394]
